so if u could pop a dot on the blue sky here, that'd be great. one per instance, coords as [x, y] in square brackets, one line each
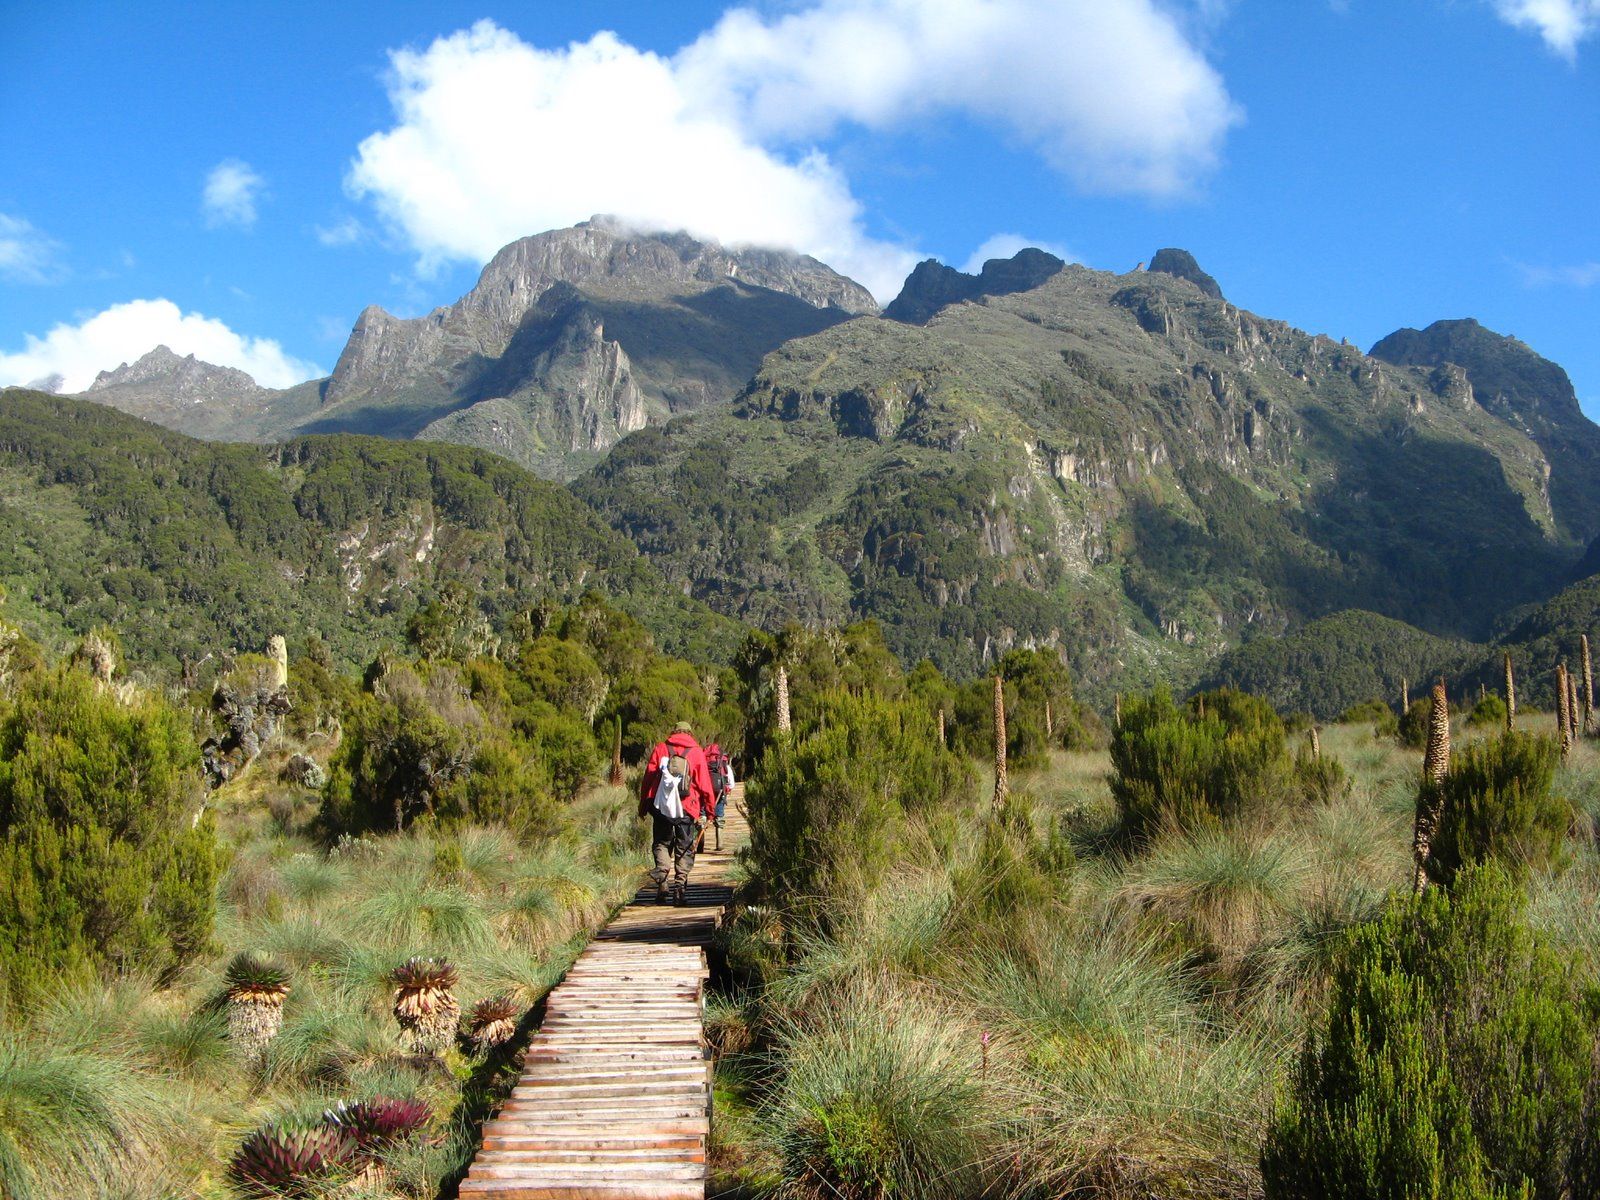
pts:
[244, 183]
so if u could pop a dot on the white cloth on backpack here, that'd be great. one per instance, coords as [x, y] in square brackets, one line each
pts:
[671, 790]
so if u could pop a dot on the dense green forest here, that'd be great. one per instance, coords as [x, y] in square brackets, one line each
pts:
[192, 549]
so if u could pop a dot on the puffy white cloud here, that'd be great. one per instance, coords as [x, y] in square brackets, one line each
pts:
[1561, 23]
[26, 254]
[230, 194]
[495, 139]
[1114, 95]
[498, 139]
[1004, 245]
[126, 332]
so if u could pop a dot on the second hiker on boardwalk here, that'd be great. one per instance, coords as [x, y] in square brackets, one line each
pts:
[676, 794]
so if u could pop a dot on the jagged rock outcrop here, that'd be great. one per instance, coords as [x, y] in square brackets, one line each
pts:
[569, 339]
[932, 285]
[573, 337]
[560, 392]
[599, 258]
[1180, 263]
[183, 393]
[1472, 365]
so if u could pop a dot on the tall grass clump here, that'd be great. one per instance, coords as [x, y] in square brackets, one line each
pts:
[1113, 1079]
[1216, 893]
[1456, 1058]
[81, 1123]
[884, 1098]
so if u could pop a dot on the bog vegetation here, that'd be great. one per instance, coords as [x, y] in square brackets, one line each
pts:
[280, 931]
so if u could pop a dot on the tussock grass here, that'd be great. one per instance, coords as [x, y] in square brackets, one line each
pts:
[1216, 892]
[76, 1122]
[1142, 1005]
[130, 1090]
[885, 1097]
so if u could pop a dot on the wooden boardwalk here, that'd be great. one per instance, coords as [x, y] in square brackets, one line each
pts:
[614, 1102]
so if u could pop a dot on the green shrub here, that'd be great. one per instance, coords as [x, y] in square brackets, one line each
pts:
[1495, 804]
[1490, 711]
[832, 798]
[399, 752]
[1323, 779]
[102, 862]
[1453, 1061]
[1412, 729]
[1175, 768]
[1376, 713]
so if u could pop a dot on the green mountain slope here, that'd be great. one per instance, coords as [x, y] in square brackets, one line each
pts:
[1126, 466]
[1530, 393]
[190, 548]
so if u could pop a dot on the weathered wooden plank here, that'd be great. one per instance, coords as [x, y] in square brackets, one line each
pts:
[614, 1098]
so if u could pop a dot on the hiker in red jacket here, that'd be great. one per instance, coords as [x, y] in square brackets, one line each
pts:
[676, 795]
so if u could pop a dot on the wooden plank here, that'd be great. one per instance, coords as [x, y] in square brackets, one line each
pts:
[614, 1097]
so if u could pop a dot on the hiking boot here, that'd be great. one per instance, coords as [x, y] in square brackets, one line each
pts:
[680, 895]
[661, 893]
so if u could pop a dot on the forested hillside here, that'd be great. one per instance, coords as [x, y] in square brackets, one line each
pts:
[189, 548]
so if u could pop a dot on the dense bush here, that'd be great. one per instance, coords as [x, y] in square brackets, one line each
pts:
[1374, 712]
[1454, 1060]
[1180, 769]
[1490, 710]
[832, 800]
[103, 861]
[1412, 729]
[1041, 713]
[419, 746]
[1495, 804]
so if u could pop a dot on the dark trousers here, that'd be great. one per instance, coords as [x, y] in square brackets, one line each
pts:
[672, 843]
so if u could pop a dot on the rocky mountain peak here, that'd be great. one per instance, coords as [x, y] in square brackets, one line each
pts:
[601, 258]
[183, 376]
[1507, 376]
[932, 285]
[1172, 261]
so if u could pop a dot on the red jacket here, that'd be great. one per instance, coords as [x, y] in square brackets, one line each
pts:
[699, 800]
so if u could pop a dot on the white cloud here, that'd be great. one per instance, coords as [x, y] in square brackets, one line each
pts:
[344, 232]
[1114, 95]
[26, 254]
[1579, 275]
[1004, 245]
[230, 195]
[495, 139]
[126, 332]
[1561, 23]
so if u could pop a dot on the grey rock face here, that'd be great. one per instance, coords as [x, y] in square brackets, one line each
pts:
[932, 285]
[598, 257]
[1470, 364]
[1181, 263]
[180, 392]
[560, 393]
